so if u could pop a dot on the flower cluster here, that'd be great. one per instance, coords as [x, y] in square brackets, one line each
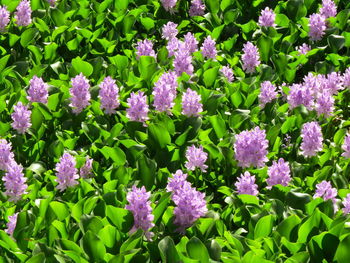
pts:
[140, 206]
[267, 18]
[328, 9]
[183, 60]
[317, 25]
[227, 72]
[169, 5]
[4, 17]
[346, 203]
[15, 182]
[37, 91]
[246, 185]
[208, 48]
[312, 139]
[279, 173]
[346, 146]
[169, 31]
[86, 170]
[303, 49]
[6, 155]
[191, 105]
[267, 93]
[80, 95]
[138, 107]
[164, 92]
[300, 95]
[145, 48]
[251, 148]
[11, 225]
[21, 118]
[109, 95]
[250, 57]
[66, 173]
[325, 191]
[190, 203]
[197, 8]
[23, 14]
[196, 157]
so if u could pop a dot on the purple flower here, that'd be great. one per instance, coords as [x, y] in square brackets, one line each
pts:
[196, 157]
[191, 43]
[328, 8]
[6, 156]
[250, 57]
[346, 78]
[300, 95]
[324, 104]
[52, 2]
[303, 49]
[183, 60]
[333, 82]
[140, 206]
[228, 73]
[312, 84]
[267, 93]
[138, 107]
[279, 173]
[346, 146]
[21, 118]
[172, 46]
[191, 105]
[86, 170]
[145, 48]
[80, 95]
[190, 203]
[312, 139]
[11, 225]
[197, 8]
[4, 17]
[251, 148]
[164, 92]
[37, 91]
[346, 203]
[109, 95]
[169, 5]
[176, 182]
[208, 48]
[267, 18]
[246, 185]
[325, 191]
[169, 30]
[23, 13]
[66, 173]
[15, 182]
[317, 25]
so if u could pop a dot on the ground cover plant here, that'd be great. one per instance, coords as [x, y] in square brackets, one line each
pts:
[174, 131]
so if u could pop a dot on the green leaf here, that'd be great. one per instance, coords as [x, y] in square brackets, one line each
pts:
[296, 9]
[28, 36]
[311, 225]
[168, 250]
[60, 210]
[132, 242]
[93, 246]
[264, 227]
[286, 227]
[214, 250]
[197, 250]
[343, 252]
[147, 22]
[147, 171]
[147, 67]
[108, 235]
[210, 76]
[161, 207]
[213, 6]
[3, 62]
[265, 45]
[115, 153]
[38, 258]
[159, 134]
[219, 125]
[121, 218]
[81, 66]
[336, 42]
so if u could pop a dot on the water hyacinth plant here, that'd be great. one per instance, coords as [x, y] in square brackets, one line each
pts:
[174, 131]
